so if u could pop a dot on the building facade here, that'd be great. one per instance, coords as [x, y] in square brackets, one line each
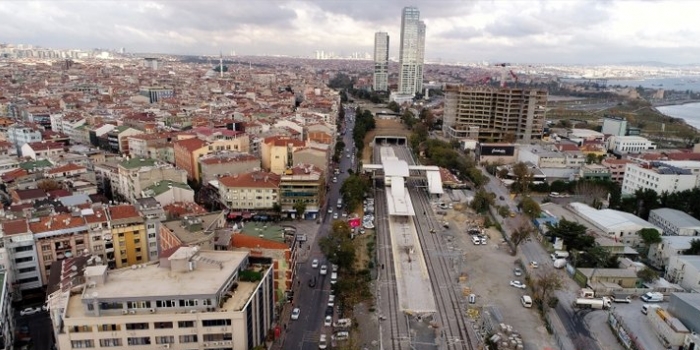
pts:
[381, 61]
[411, 52]
[628, 144]
[494, 115]
[675, 222]
[251, 191]
[659, 177]
[305, 184]
[685, 271]
[128, 229]
[137, 174]
[202, 299]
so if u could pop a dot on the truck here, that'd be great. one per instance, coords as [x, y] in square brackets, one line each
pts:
[597, 304]
[653, 297]
[559, 263]
[586, 293]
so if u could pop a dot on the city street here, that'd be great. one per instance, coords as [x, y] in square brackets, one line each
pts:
[305, 332]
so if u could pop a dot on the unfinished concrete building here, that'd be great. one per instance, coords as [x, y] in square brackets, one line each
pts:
[494, 114]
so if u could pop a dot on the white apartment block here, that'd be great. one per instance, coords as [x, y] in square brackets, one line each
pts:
[192, 299]
[628, 144]
[19, 135]
[667, 176]
[675, 222]
[685, 271]
[7, 315]
[670, 246]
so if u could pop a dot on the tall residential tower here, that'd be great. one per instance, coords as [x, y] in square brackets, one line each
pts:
[381, 61]
[411, 52]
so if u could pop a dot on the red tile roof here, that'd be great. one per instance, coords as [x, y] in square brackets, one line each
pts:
[180, 209]
[98, 216]
[59, 193]
[190, 145]
[33, 193]
[66, 168]
[45, 145]
[240, 240]
[56, 222]
[13, 227]
[14, 174]
[126, 211]
[255, 179]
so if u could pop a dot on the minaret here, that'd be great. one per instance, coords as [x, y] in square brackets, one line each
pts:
[221, 65]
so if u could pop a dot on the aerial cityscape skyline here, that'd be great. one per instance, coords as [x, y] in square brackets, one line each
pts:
[551, 32]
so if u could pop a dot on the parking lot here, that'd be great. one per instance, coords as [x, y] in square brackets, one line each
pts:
[637, 324]
[489, 270]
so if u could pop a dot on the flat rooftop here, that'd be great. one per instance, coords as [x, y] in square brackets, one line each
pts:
[205, 279]
[186, 235]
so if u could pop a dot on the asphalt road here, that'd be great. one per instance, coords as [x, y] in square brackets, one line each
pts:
[305, 332]
[40, 329]
[573, 323]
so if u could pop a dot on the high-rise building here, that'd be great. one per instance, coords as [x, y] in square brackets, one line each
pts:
[381, 61]
[494, 115]
[411, 52]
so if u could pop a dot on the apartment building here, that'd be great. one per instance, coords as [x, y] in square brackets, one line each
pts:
[136, 174]
[144, 145]
[153, 214]
[494, 115]
[685, 271]
[216, 165]
[250, 191]
[156, 93]
[667, 176]
[313, 154]
[20, 134]
[22, 262]
[118, 139]
[169, 192]
[42, 149]
[7, 314]
[628, 144]
[58, 237]
[129, 238]
[617, 168]
[660, 253]
[99, 232]
[675, 222]
[381, 62]
[191, 230]
[187, 153]
[202, 299]
[277, 153]
[302, 183]
[594, 172]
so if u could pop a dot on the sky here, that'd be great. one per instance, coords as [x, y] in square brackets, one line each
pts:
[515, 31]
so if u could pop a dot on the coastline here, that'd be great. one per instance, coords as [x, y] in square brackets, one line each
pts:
[682, 120]
[672, 103]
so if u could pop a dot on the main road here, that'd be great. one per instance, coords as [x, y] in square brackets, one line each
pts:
[305, 332]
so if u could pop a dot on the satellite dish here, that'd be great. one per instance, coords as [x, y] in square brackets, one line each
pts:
[74, 268]
[94, 294]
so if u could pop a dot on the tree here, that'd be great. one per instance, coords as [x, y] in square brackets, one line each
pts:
[49, 185]
[300, 208]
[338, 247]
[523, 178]
[520, 234]
[591, 158]
[543, 288]
[573, 234]
[394, 107]
[482, 201]
[590, 192]
[694, 248]
[353, 191]
[649, 236]
[530, 207]
[503, 211]
[647, 275]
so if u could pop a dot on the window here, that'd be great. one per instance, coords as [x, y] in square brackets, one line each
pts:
[162, 325]
[214, 323]
[166, 339]
[185, 324]
[133, 326]
[81, 329]
[23, 260]
[28, 280]
[188, 338]
[81, 344]
[27, 269]
[139, 341]
[23, 249]
[110, 342]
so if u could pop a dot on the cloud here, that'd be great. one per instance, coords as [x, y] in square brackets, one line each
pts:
[571, 31]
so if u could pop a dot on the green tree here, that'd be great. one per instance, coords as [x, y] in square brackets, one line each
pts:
[482, 200]
[338, 247]
[394, 107]
[353, 191]
[543, 288]
[591, 158]
[503, 211]
[523, 232]
[649, 236]
[647, 275]
[694, 248]
[530, 207]
[573, 234]
[523, 178]
[300, 208]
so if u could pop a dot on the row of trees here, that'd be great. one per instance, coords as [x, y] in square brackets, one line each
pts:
[444, 154]
[585, 251]
[364, 122]
[644, 201]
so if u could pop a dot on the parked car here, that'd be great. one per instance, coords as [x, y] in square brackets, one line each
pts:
[328, 321]
[324, 269]
[30, 311]
[322, 342]
[295, 313]
[517, 284]
[314, 264]
[331, 300]
[534, 264]
[517, 271]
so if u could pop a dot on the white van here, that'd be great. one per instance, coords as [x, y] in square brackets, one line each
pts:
[645, 309]
[476, 240]
[334, 277]
[526, 301]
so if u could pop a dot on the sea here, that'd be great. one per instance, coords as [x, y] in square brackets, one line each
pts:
[690, 112]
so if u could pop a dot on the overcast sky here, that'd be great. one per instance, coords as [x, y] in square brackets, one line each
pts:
[518, 31]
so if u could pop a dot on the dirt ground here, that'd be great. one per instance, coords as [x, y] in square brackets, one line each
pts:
[489, 270]
[384, 127]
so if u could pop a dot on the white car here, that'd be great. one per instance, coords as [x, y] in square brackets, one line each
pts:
[517, 271]
[314, 264]
[330, 210]
[295, 313]
[324, 269]
[322, 343]
[331, 300]
[335, 215]
[345, 214]
[328, 321]
[517, 284]
[534, 264]
[335, 179]
[30, 311]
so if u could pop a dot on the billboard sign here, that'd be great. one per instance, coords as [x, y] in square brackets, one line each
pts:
[497, 150]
